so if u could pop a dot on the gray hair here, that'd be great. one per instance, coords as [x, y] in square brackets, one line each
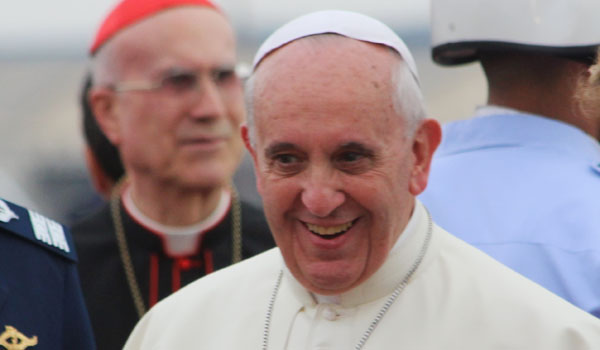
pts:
[408, 100]
[105, 65]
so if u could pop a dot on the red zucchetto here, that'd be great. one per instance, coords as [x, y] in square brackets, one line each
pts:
[128, 12]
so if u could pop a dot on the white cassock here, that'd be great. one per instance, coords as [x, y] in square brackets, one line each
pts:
[458, 298]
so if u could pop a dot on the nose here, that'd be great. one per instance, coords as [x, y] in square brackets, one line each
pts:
[322, 196]
[207, 100]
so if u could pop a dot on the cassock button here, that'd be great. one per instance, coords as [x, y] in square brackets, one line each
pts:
[185, 264]
[330, 314]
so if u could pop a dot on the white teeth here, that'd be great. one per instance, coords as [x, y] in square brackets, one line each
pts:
[328, 231]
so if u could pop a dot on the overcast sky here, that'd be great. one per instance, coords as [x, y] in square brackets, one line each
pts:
[70, 24]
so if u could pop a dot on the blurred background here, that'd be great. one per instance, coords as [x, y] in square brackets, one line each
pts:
[43, 58]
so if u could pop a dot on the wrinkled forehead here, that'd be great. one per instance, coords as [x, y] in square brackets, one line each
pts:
[325, 79]
[326, 60]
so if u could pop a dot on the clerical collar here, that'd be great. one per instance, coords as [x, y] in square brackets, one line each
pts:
[178, 240]
[406, 234]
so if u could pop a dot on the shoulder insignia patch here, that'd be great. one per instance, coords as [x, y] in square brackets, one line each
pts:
[48, 231]
[36, 228]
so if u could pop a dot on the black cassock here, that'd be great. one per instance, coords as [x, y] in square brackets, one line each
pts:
[108, 297]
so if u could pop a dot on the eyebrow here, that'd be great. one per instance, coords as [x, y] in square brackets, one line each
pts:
[357, 146]
[278, 147]
[177, 69]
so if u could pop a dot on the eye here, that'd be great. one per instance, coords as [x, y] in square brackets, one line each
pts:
[350, 156]
[180, 82]
[224, 75]
[356, 160]
[286, 164]
[286, 158]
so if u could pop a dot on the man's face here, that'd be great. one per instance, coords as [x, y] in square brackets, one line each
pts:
[334, 166]
[174, 134]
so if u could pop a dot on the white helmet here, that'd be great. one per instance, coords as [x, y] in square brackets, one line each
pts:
[461, 28]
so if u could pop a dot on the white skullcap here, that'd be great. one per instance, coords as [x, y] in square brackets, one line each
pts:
[349, 24]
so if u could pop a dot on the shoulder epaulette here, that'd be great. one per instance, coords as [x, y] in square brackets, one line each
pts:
[36, 228]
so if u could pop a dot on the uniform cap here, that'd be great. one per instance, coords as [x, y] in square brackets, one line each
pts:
[462, 28]
[129, 12]
[349, 24]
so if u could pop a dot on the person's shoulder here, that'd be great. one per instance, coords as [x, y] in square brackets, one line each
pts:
[19, 224]
[500, 286]
[482, 289]
[231, 298]
[476, 265]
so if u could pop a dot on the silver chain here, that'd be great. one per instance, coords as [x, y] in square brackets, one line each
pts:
[236, 226]
[270, 311]
[386, 306]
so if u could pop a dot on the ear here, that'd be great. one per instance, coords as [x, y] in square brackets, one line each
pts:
[427, 138]
[102, 103]
[246, 137]
[101, 182]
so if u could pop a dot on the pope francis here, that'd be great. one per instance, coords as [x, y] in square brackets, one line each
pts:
[341, 147]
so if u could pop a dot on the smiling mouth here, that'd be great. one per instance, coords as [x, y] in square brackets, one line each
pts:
[330, 232]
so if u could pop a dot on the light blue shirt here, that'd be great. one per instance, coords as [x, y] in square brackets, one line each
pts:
[525, 190]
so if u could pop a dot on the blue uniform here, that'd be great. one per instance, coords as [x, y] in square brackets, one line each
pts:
[41, 304]
[526, 190]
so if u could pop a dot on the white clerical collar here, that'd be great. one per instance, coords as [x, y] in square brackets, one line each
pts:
[406, 234]
[216, 216]
[178, 240]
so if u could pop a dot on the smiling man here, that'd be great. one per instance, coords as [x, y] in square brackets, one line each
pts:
[341, 147]
[166, 94]
[337, 171]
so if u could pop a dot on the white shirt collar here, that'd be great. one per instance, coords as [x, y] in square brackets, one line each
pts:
[485, 110]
